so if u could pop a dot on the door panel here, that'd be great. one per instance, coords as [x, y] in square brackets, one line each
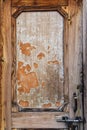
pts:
[39, 86]
[40, 69]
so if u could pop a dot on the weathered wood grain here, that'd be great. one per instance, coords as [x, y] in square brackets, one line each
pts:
[85, 57]
[1, 63]
[38, 3]
[13, 71]
[16, 11]
[66, 60]
[6, 27]
[75, 54]
[37, 120]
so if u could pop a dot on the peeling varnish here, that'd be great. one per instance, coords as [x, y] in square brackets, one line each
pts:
[24, 103]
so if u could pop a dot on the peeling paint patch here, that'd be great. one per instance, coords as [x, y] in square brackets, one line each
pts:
[24, 103]
[20, 63]
[53, 62]
[58, 104]
[35, 65]
[27, 81]
[26, 48]
[40, 55]
[47, 105]
[22, 70]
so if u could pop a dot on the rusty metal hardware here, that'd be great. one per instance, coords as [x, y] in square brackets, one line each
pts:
[71, 123]
[75, 102]
[66, 119]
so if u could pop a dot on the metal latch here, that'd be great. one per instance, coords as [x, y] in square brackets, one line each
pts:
[71, 123]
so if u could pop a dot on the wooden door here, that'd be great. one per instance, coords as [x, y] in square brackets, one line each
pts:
[39, 93]
[39, 48]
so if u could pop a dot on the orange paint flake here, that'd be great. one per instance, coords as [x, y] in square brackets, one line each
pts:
[20, 63]
[40, 55]
[27, 67]
[35, 65]
[47, 105]
[53, 62]
[23, 89]
[58, 104]
[24, 103]
[22, 69]
[26, 48]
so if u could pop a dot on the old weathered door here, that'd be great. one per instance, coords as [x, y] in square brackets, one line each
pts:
[39, 65]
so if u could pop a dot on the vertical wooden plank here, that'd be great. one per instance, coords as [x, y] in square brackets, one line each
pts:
[1, 54]
[66, 61]
[75, 55]
[85, 57]
[6, 27]
[13, 73]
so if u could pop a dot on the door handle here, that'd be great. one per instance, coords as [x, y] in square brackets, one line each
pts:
[67, 120]
[75, 102]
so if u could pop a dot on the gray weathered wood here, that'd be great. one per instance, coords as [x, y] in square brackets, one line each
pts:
[75, 52]
[85, 57]
[37, 120]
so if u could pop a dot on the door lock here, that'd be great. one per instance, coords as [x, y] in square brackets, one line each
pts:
[71, 123]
